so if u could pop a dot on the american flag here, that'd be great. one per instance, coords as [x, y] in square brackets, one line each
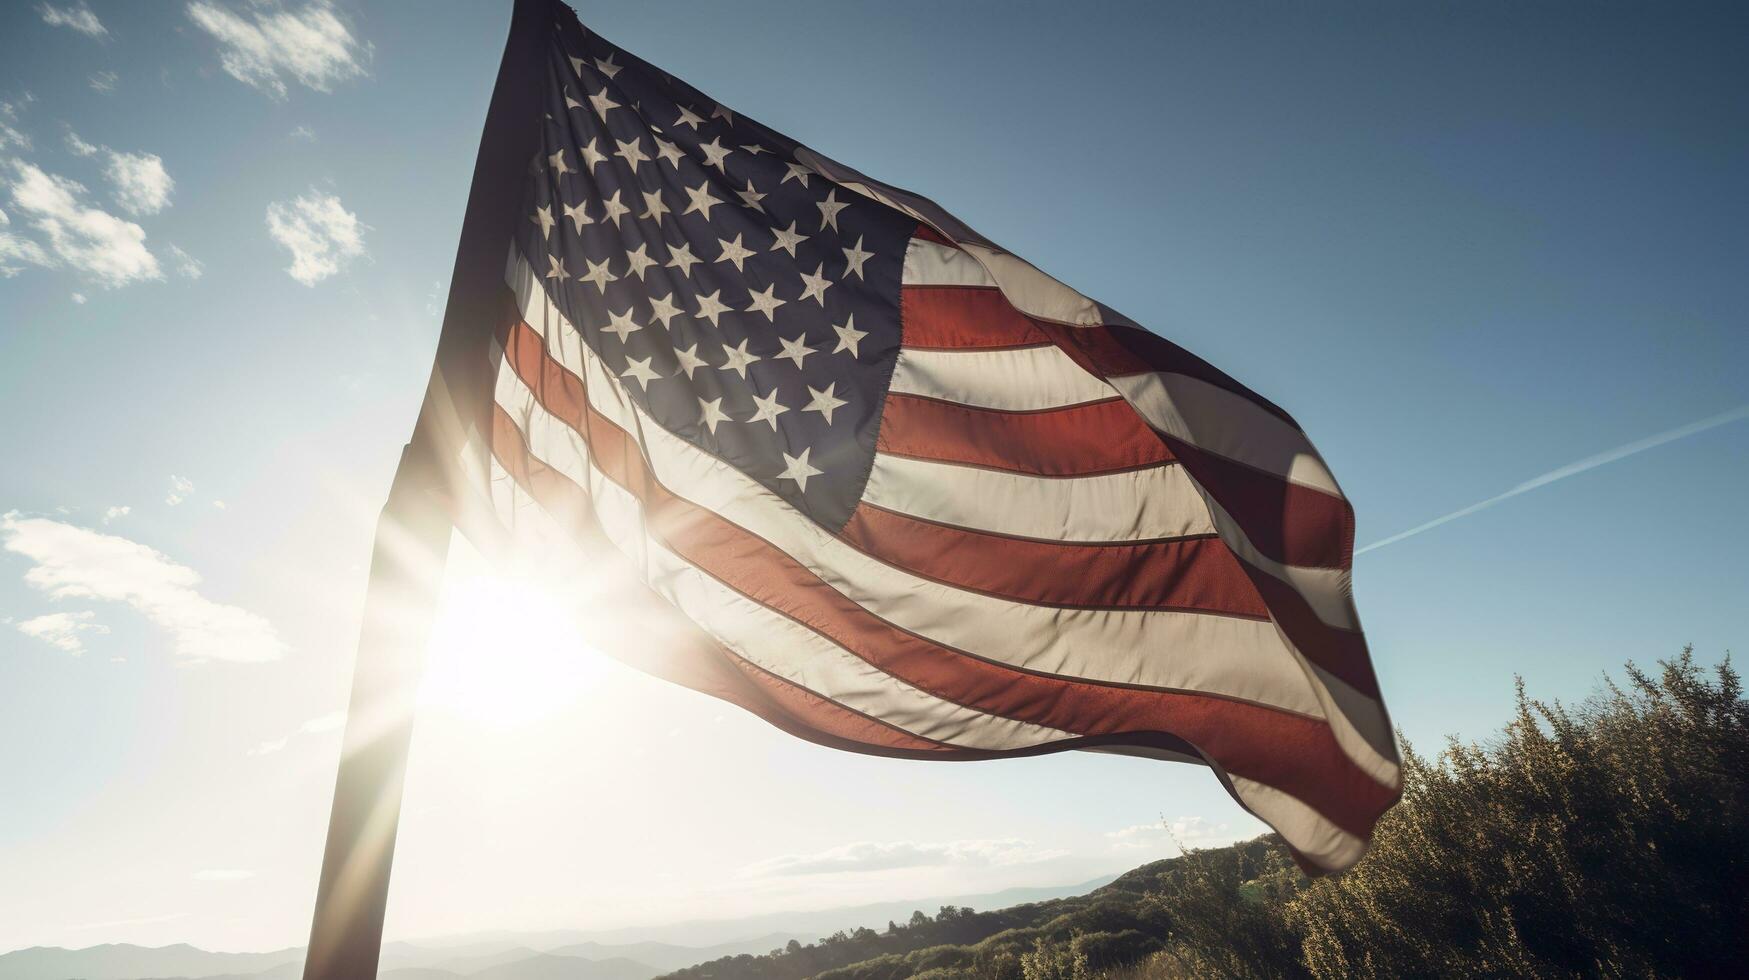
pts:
[850, 465]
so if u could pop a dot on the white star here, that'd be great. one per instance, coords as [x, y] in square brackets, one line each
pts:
[738, 359]
[715, 153]
[849, 336]
[854, 257]
[702, 201]
[639, 370]
[755, 149]
[710, 307]
[607, 67]
[733, 252]
[795, 349]
[576, 65]
[680, 257]
[622, 325]
[797, 468]
[570, 103]
[615, 210]
[602, 103]
[631, 151]
[722, 112]
[751, 198]
[668, 151]
[787, 239]
[815, 285]
[824, 402]
[640, 260]
[543, 216]
[688, 118]
[557, 270]
[664, 309]
[598, 275]
[796, 171]
[829, 209]
[768, 410]
[557, 160]
[690, 362]
[592, 154]
[765, 302]
[711, 412]
[579, 216]
[654, 206]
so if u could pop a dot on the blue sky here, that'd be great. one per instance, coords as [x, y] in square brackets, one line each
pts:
[1465, 246]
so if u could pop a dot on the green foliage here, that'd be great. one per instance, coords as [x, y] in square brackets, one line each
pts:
[1607, 839]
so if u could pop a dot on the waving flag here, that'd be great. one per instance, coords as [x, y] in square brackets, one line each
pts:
[850, 465]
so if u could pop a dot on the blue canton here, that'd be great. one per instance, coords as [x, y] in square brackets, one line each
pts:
[745, 303]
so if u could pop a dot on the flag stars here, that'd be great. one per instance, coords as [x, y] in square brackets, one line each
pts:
[681, 257]
[640, 260]
[737, 360]
[606, 67]
[543, 216]
[829, 209]
[764, 301]
[825, 402]
[795, 349]
[715, 153]
[631, 151]
[654, 207]
[603, 103]
[690, 362]
[815, 286]
[556, 161]
[795, 171]
[710, 308]
[701, 200]
[663, 309]
[751, 198]
[787, 239]
[724, 113]
[556, 268]
[621, 325]
[669, 152]
[615, 210]
[638, 369]
[733, 252]
[767, 410]
[579, 215]
[854, 257]
[797, 468]
[848, 336]
[598, 275]
[688, 118]
[711, 412]
[592, 154]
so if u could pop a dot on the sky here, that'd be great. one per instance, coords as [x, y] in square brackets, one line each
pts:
[1491, 256]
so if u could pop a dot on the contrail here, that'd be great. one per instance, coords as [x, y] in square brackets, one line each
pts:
[1572, 469]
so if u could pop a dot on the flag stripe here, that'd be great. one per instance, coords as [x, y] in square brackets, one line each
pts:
[963, 318]
[1025, 379]
[1080, 440]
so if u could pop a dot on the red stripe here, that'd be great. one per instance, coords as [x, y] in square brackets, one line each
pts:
[962, 318]
[1295, 754]
[1194, 574]
[1080, 440]
[1290, 523]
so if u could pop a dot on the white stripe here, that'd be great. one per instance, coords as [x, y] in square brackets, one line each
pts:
[753, 632]
[1032, 291]
[1240, 658]
[1026, 379]
[1226, 424]
[928, 263]
[1310, 832]
[1137, 505]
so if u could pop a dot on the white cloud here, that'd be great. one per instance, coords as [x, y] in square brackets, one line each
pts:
[61, 630]
[330, 722]
[223, 874]
[304, 133]
[864, 856]
[320, 234]
[70, 562]
[187, 266]
[116, 513]
[79, 299]
[79, 146]
[263, 45]
[10, 135]
[180, 488]
[104, 81]
[106, 248]
[1184, 832]
[77, 16]
[140, 184]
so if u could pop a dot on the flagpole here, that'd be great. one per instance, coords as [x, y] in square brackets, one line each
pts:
[413, 532]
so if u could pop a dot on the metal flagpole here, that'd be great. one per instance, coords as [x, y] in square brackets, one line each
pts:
[412, 537]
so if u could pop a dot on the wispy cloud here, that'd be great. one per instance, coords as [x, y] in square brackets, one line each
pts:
[79, 147]
[187, 266]
[320, 233]
[865, 856]
[11, 137]
[139, 182]
[266, 44]
[110, 250]
[71, 562]
[1571, 469]
[104, 81]
[330, 722]
[62, 630]
[1184, 832]
[116, 513]
[77, 16]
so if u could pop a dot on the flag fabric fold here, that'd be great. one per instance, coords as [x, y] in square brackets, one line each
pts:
[834, 457]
